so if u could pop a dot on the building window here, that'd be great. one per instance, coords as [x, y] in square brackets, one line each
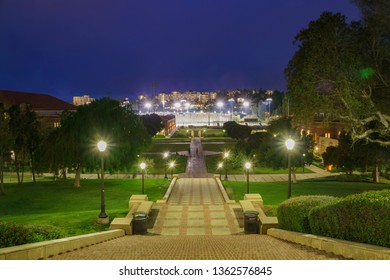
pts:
[327, 135]
[56, 124]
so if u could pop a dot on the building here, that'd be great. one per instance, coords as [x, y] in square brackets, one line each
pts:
[48, 108]
[82, 100]
[169, 122]
[324, 133]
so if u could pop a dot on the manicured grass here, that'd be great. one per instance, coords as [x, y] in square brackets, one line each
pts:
[159, 163]
[276, 192]
[73, 210]
[212, 162]
[168, 147]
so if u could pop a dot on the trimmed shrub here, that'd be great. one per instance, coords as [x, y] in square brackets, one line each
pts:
[37, 233]
[293, 213]
[361, 217]
[12, 234]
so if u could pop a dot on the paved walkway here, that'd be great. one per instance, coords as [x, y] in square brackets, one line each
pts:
[196, 224]
[207, 247]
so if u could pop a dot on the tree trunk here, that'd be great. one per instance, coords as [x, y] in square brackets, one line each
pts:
[17, 169]
[77, 176]
[294, 175]
[63, 173]
[2, 191]
[33, 168]
[98, 173]
[375, 173]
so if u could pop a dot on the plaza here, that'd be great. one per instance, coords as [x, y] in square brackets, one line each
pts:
[196, 223]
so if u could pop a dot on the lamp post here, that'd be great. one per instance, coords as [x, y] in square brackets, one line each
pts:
[269, 101]
[143, 166]
[171, 166]
[231, 100]
[103, 217]
[220, 165]
[290, 143]
[165, 156]
[246, 105]
[247, 167]
[148, 105]
[225, 157]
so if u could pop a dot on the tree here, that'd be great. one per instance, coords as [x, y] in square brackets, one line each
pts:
[153, 123]
[5, 144]
[236, 130]
[24, 127]
[342, 70]
[102, 119]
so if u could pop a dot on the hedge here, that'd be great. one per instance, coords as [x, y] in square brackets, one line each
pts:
[293, 213]
[361, 218]
[12, 234]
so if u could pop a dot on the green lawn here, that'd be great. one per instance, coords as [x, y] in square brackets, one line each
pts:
[159, 163]
[213, 160]
[276, 192]
[73, 210]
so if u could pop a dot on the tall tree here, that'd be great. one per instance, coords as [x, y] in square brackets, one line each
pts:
[102, 119]
[24, 127]
[153, 123]
[342, 70]
[5, 144]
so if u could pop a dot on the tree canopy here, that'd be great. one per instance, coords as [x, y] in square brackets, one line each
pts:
[105, 120]
[342, 70]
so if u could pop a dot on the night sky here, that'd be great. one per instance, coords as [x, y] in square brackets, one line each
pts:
[118, 48]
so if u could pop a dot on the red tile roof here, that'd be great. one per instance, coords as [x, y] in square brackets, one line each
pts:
[39, 102]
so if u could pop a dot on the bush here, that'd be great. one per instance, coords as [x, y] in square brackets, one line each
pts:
[293, 213]
[361, 217]
[13, 234]
[37, 233]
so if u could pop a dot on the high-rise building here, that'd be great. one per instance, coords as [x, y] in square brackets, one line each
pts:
[82, 100]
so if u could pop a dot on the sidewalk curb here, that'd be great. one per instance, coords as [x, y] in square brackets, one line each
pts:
[46, 249]
[347, 249]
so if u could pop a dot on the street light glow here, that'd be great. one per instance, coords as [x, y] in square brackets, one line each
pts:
[165, 154]
[226, 155]
[102, 145]
[148, 105]
[142, 165]
[248, 165]
[290, 143]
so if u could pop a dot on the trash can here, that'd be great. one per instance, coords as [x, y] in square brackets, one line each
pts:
[140, 222]
[251, 222]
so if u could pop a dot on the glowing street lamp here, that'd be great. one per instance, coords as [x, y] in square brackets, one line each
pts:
[269, 101]
[103, 217]
[171, 166]
[148, 105]
[246, 105]
[220, 105]
[220, 165]
[177, 106]
[247, 167]
[290, 143]
[143, 166]
[165, 156]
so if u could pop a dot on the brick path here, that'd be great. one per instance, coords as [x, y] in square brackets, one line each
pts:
[207, 247]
